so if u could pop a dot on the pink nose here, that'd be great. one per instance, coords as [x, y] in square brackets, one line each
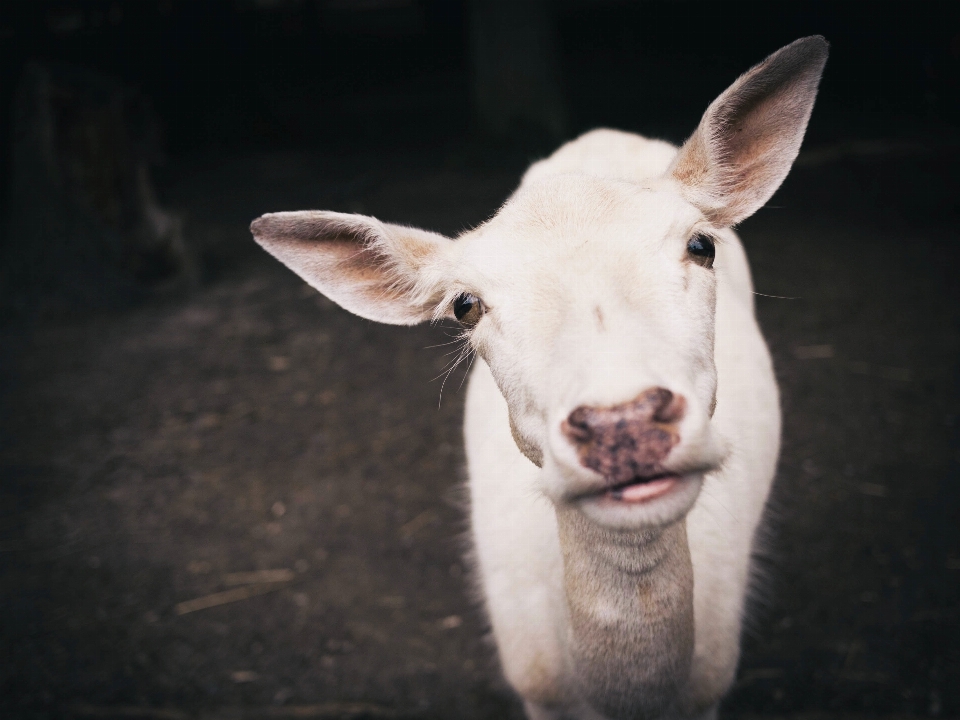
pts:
[629, 440]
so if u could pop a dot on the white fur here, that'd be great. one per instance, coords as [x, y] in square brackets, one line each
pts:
[591, 299]
[514, 526]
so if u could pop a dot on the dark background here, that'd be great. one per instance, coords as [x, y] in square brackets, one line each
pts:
[154, 442]
[247, 75]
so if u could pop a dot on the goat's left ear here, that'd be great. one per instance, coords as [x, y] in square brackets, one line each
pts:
[751, 134]
[378, 271]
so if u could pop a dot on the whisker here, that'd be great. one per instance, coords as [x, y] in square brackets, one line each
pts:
[464, 354]
[473, 356]
[461, 352]
[452, 342]
[778, 297]
[716, 499]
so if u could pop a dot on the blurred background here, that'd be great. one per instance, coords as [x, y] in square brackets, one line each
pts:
[221, 496]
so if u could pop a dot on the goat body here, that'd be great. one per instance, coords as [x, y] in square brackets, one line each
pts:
[668, 621]
[622, 421]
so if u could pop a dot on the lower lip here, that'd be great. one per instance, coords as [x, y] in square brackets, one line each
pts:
[643, 492]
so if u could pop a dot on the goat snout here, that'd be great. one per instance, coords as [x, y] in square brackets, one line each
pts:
[627, 441]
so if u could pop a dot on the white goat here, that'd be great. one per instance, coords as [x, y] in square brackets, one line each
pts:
[622, 422]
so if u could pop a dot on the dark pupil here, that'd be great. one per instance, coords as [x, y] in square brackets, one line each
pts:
[699, 245]
[464, 304]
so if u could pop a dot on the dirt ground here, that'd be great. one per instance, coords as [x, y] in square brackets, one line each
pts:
[152, 456]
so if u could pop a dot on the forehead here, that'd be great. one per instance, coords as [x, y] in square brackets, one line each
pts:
[575, 218]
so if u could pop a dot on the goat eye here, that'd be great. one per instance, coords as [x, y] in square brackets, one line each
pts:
[701, 250]
[468, 309]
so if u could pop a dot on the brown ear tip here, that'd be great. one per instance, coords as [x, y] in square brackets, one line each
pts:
[266, 225]
[814, 44]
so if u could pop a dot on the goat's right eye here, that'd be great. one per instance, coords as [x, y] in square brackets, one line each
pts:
[468, 309]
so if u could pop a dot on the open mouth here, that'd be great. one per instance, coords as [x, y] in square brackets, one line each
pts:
[650, 500]
[642, 489]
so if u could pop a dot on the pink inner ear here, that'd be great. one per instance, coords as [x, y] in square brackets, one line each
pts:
[340, 267]
[751, 134]
[350, 260]
[366, 266]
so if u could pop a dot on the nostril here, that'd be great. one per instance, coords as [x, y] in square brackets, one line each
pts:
[629, 442]
[671, 407]
[577, 426]
[588, 426]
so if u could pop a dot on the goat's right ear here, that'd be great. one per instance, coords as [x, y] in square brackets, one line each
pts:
[751, 134]
[378, 271]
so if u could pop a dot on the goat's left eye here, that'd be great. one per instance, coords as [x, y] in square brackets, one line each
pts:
[701, 250]
[468, 309]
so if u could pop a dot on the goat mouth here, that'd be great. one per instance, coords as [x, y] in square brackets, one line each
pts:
[641, 489]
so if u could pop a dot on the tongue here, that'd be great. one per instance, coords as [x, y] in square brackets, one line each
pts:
[645, 491]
